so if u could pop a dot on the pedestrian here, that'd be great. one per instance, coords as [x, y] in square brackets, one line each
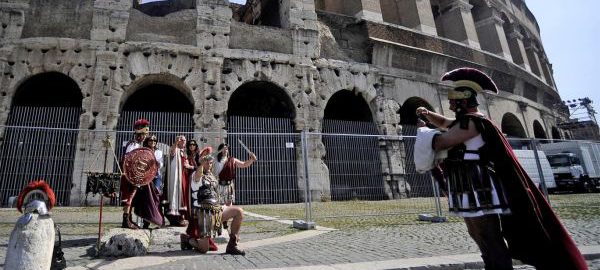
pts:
[193, 154]
[141, 129]
[146, 203]
[178, 184]
[488, 187]
[225, 168]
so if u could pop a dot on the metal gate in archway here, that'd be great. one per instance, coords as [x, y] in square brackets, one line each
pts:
[165, 125]
[39, 143]
[419, 184]
[353, 160]
[273, 178]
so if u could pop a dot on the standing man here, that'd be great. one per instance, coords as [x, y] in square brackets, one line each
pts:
[488, 187]
[225, 170]
[178, 184]
[141, 128]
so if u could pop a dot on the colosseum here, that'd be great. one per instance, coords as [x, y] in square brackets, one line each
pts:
[74, 71]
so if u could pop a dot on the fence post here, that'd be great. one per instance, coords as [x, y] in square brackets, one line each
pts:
[308, 223]
[438, 204]
[539, 167]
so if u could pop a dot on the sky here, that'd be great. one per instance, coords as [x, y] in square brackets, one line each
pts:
[570, 31]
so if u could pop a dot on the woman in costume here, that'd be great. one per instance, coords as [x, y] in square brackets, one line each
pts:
[225, 170]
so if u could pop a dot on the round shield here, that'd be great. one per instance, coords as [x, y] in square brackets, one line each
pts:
[140, 166]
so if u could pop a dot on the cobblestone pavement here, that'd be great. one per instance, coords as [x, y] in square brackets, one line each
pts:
[337, 247]
[413, 241]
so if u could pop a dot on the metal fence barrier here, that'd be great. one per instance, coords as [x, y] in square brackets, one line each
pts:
[310, 176]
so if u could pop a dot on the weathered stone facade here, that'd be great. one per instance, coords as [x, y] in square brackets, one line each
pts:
[386, 52]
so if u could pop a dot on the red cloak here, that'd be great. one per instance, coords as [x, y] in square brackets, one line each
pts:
[533, 232]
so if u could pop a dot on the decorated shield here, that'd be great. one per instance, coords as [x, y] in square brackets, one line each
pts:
[140, 166]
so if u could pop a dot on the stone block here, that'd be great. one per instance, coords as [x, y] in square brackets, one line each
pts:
[125, 242]
[30, 246]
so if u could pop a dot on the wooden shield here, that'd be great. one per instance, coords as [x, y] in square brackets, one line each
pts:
[140, 166]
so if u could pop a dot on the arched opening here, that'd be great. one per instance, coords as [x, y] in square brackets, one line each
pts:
[352, 175]
[512, 127]
[261, 99]
[166, 107]
[408, 116]
[164, 7]
[41, 137]
[420, 184]
[168, 110]
[347, 106]
[253, 109]
[437, 17]
[538, 130]
[265, 12]
[556, 133]
[512, 42]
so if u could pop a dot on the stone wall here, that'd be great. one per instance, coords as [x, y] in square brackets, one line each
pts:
[206, 55]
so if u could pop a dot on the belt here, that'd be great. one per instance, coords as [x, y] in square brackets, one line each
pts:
[225, 183]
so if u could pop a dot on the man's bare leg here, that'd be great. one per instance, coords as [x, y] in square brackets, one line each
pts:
[238, 215]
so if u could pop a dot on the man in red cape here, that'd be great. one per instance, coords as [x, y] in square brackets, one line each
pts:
[141, 128]
[488, 187]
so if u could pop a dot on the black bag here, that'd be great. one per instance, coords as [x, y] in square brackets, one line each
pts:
[58, 256]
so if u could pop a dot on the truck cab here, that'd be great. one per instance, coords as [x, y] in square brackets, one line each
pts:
[567, 170]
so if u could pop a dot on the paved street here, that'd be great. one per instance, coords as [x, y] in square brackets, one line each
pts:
[438, 246]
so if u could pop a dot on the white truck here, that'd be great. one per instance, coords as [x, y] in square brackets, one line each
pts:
[527, 160]
[575, 164]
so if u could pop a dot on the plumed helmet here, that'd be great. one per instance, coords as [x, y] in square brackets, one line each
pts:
[36, 187]
[469, 78]
[206, 151]
[141, 126]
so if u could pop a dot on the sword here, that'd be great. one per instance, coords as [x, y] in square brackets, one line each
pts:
[245, 147]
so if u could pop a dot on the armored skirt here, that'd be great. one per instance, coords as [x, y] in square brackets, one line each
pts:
[474, 189]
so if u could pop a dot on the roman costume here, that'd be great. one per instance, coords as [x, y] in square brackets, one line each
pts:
[141, 129]
[488, 187]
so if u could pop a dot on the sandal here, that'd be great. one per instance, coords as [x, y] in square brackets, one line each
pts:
[185, 242]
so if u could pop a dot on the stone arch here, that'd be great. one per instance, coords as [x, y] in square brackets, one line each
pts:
[34, 91]
[345, 105]
[266, 13]
[164, 100]
[408, 110]
[512, 127]
[257, 107]
[538, 130]
[51, 102]
[151, 81]
[352, 176]
[261, 99]
[163, 8]
[556, 133]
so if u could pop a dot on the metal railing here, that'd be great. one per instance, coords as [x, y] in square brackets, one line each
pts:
[309, 175]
